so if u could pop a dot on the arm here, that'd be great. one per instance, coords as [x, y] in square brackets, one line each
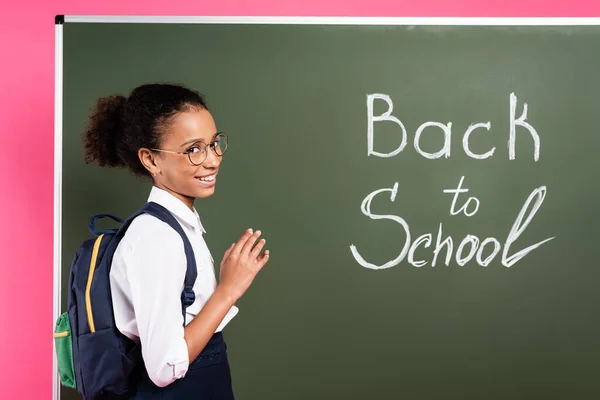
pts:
[203, 326]
[156, 280]
[240, 265]
[155, 266]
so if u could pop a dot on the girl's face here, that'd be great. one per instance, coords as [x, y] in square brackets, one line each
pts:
[192, 131]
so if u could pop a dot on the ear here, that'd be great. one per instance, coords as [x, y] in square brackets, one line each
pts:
[149, 161]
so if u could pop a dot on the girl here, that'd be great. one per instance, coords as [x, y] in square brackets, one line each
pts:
[167, 133]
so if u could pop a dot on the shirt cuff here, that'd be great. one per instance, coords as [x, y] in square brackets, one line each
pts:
[228, 317]
[176, 367]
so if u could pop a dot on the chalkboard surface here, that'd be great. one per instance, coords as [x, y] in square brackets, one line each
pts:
[428, 194]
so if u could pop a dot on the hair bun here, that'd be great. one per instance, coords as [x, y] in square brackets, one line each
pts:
[103, 131]
[119, 127]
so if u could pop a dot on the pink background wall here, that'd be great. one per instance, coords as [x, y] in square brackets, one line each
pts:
[26, 154]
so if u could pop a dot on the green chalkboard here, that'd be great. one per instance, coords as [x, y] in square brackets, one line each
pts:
[298, 102]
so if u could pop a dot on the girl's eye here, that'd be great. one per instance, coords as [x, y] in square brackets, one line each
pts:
[194, 149]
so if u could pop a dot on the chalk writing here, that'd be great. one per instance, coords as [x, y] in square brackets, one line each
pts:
[446, 128]
[470, 249]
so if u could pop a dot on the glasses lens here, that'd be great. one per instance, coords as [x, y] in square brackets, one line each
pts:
[198, 154]
[220, 144]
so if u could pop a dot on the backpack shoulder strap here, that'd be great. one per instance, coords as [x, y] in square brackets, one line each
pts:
[187, 296]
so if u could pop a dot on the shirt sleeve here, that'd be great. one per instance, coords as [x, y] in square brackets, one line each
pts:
[155, 269]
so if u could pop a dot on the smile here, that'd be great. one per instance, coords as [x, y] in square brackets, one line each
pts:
[208, 180]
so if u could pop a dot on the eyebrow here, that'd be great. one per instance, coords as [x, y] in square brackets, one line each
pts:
[197, 140]
[191, 141]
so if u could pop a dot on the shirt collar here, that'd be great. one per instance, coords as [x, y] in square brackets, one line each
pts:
[177, 207]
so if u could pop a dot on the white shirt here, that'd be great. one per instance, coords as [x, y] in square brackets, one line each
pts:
[147, 277]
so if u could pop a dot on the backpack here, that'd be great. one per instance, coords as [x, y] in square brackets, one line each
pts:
[93, 356]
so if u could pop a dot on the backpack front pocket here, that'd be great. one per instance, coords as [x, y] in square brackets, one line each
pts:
[63, 342]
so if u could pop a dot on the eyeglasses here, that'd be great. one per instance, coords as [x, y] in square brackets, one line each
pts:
[198, 153]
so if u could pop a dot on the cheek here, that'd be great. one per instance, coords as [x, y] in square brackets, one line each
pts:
[181, 168]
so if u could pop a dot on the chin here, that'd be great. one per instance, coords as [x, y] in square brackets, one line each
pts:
[204, 193]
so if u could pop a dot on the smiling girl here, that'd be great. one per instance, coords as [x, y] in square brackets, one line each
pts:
[167, 133]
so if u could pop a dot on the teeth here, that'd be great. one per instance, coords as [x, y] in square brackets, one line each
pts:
[207, 178]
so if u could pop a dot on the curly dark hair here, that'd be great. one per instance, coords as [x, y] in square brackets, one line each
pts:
[119, 126]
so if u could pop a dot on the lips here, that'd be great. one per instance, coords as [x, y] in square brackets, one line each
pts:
[207, 180]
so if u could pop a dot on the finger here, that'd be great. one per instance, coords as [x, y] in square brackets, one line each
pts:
[264, 258]
[250, 242]
[228, 251]
[240, 243]
[257, 249]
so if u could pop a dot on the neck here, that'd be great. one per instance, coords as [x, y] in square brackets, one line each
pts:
[188, 201]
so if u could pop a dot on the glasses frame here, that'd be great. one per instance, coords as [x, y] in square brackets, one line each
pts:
[211, 145]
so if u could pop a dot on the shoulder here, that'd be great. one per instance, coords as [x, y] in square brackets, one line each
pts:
[147, 231]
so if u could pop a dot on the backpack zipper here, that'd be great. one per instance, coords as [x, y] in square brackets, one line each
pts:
[88, 301]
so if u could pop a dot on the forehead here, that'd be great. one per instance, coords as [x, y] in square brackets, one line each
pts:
[195, 124]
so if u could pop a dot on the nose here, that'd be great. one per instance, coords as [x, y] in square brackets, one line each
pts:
[212, 159]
